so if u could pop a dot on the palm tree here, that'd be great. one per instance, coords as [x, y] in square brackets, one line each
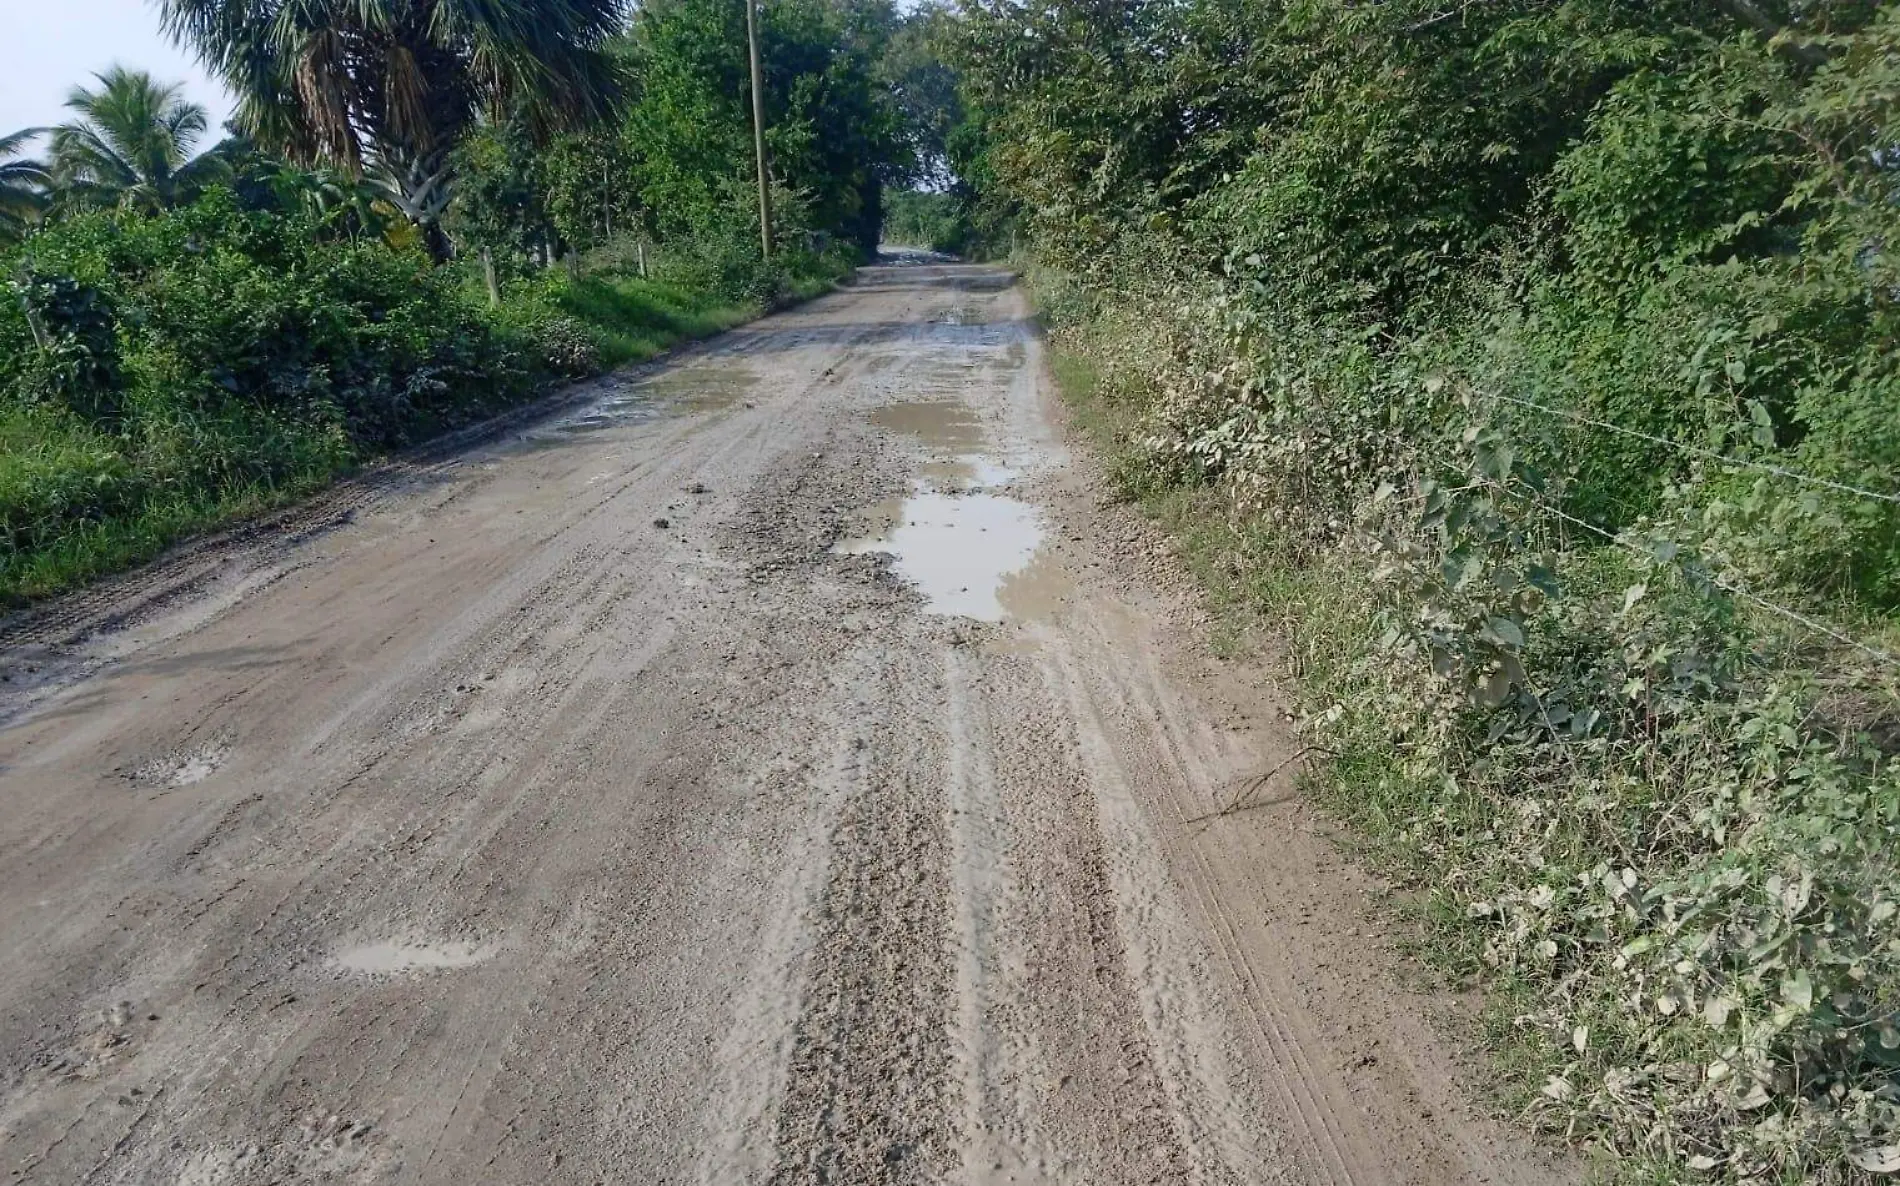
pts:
[131, 145]
[23, 185]
[325, 193]
[387, 87]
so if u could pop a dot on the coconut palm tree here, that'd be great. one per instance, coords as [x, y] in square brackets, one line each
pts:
[131, 145]
[23, 185]
[387, 87]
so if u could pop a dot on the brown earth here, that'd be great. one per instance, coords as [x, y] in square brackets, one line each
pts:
[771, 765]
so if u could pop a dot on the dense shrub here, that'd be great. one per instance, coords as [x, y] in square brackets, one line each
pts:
[1543, 358]
[212, 304]
[164, 372]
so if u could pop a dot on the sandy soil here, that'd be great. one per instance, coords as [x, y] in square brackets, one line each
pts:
[772, 765]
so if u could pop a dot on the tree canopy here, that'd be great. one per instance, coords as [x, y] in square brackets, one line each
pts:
[833, 136]
[391, 85]
[131, 145]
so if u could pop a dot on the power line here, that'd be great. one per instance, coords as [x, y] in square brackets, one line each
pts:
[1778, 471]
[1717, 581]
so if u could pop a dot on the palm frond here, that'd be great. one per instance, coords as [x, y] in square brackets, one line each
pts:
[24, 183]
[131, 144]
[201, 172]
[389, 84]
[15, 143]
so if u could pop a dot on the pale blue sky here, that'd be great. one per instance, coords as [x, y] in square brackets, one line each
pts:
[48, 46]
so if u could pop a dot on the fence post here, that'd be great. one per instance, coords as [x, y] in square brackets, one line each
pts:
[490, 279]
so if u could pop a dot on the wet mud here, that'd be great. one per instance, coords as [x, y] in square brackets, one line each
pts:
[769, 765]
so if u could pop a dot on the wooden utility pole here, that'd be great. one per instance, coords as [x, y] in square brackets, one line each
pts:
[758, 128]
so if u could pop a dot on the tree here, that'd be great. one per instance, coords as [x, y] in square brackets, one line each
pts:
[499, 206]
[391, 86]
[924, 88]
[23, 185]
[832, 133]
[131, 145]
[589, 196]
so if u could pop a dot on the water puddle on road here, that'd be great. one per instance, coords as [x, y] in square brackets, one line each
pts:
[670, 393]
[940, 425]
[958, 548]
[971, 550]
[966, 473]
[701, 388]
[1038, 592]
[613, 411]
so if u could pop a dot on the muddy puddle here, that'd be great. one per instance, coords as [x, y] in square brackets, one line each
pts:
[972, 549]
[700, 389]
[940, 425]
[671, 393]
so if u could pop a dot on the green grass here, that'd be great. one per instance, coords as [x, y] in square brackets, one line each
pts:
[78, 504]
[99, 548]
[636, 319]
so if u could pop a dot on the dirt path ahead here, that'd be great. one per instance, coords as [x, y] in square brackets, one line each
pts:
[773, 767]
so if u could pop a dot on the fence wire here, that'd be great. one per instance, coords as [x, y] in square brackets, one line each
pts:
[1715, 579]
[1698, 451]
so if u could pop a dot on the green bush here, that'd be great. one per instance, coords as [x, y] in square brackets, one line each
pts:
[211, 360]
[213, 304]
[1543, 359]
[606, 318]
[729, 264]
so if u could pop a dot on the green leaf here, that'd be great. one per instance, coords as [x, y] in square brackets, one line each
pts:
[1503, 632]
[1798, 990]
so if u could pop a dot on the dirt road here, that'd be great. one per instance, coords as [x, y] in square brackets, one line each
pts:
[770, 767]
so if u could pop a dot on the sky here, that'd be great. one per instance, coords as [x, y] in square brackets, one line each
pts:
[49, 46]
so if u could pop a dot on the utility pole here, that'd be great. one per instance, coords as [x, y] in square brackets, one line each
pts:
[758, 128]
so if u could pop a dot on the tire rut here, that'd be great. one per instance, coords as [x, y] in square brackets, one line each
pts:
[564, 804]
[867, 1094]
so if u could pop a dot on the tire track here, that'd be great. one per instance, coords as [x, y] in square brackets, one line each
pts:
[868, 1095]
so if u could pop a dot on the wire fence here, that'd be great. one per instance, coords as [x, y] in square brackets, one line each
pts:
[1697, 451]
[1790, 614]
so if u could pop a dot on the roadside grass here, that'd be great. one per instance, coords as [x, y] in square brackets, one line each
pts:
[1316, 622]
[635, 319]
[98, 548]
[78, 503]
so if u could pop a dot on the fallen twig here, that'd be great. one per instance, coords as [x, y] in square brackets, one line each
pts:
[1247, 790]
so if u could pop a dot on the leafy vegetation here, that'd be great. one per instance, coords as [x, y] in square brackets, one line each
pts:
[831, 131]
[131, 145]
[423, 213]
[918, 218]
[1540, 361]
